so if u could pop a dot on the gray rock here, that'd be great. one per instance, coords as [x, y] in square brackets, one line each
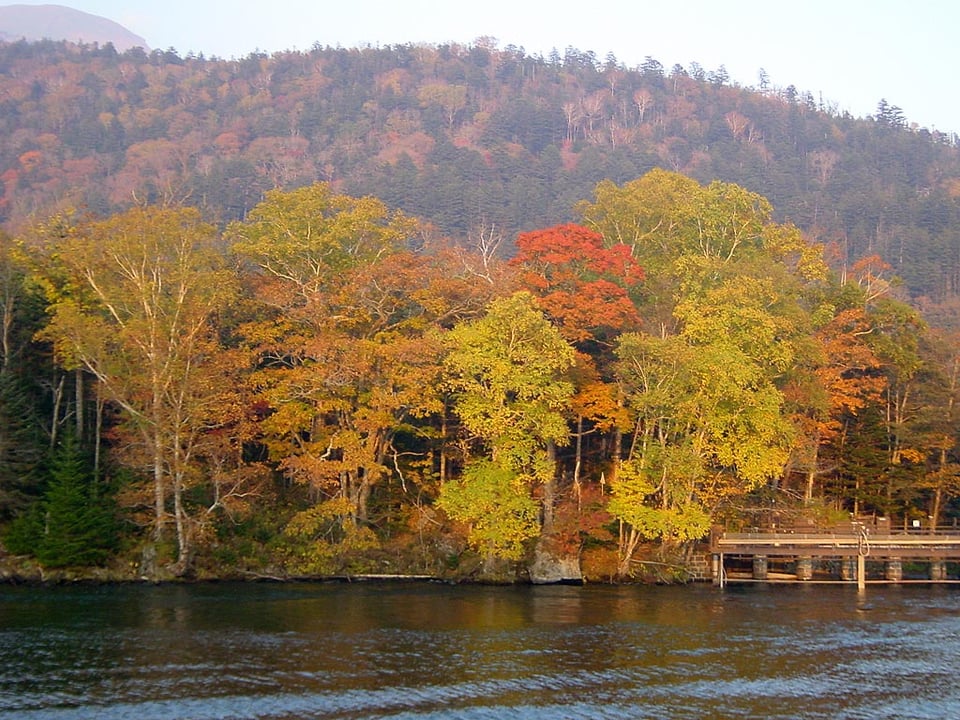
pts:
[548, 568]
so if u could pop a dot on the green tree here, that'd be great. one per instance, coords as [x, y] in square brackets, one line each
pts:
[75, 522]
[724, 301]
[689, 237]
[891, 486]
[302, 240]
[506, 371]
[496, 504]
[709, 424]
[21, 444]
[21, 441]
[80, 526]
[937, 425]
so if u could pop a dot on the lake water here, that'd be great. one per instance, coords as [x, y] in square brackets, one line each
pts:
[364, 650]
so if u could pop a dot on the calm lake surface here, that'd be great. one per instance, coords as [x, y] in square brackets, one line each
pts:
[367, 650]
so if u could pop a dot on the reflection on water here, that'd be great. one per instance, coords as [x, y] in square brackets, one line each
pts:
[435, 651]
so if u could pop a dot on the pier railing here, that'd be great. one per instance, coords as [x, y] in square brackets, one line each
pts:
[841, 541]
[856, 542]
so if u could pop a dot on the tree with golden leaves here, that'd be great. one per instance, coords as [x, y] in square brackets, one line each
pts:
[138, 312]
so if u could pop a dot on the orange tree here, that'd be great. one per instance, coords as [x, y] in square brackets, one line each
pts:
[345, 350]
[587, 289]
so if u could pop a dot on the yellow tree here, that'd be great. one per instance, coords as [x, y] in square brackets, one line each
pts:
[688, 237]
[724, 312]
[147, 286]
[506, 373]
[709, 416]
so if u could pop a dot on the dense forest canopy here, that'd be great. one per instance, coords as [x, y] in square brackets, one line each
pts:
[329, 386]
[427, 309]
[473, 138]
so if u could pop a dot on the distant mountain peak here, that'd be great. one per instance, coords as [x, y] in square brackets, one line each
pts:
[57, 22]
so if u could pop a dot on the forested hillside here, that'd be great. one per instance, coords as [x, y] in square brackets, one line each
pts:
[457, 311]
[474, 138]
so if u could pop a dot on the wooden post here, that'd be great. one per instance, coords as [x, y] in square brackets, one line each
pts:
[894, 570]
[760, 567]
[861, 572]
[938, 570]
[848, 569]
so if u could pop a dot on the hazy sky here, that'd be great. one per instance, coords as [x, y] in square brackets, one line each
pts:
[851, 53]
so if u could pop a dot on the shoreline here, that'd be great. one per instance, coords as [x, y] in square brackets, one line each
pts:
[68, 578]
[34, 576]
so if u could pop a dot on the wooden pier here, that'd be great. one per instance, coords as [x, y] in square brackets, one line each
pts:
[846, 553]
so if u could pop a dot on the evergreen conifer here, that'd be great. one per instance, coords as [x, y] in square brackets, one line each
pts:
[79, 523]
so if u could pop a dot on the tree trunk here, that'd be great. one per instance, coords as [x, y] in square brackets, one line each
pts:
[78, 381]
[937, 501]
[935, 507]
[617, 453]
[578, 459]
[550, 488]
[159, 499]
[55, 419]
[97, 435]
[443, 445]
[363, 498]
[629, 540]
[183, 530]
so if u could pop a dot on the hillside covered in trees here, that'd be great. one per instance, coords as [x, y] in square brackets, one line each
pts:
[457, 310]
[475, 139]
[328, 387]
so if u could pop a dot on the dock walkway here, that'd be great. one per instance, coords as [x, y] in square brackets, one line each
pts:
[841, 553]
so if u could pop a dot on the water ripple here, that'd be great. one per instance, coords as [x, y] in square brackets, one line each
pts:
[345, 652]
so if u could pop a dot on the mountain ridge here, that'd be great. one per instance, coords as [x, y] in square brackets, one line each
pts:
[59, 22]
[468, 137]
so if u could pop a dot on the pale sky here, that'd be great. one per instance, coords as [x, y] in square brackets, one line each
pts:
[850, 53]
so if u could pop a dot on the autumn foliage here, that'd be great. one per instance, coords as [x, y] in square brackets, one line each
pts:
[328, 387]
[582, 285]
